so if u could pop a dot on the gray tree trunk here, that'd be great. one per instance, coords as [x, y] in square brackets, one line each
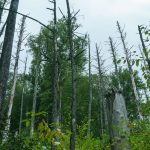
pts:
[90, 89]
[7, 127]
[22, 97]
[37, 69]
[73, 76]
[120, 122]
[130, 70]
[7, 49]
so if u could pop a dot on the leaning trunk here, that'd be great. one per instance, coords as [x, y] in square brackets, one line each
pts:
[130, 69]
[7, 128]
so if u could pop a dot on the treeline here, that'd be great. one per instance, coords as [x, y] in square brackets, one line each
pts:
[61, 105]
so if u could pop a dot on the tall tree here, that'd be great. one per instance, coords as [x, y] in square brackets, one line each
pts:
[128, 59]
[36, 80]
[90, 89]
[73, 76]
[7, 49]
[100, 87]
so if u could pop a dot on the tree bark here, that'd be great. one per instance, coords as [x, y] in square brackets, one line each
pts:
[73, 76]
[7, 49]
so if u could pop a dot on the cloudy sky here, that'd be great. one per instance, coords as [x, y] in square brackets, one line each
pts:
[98, 17]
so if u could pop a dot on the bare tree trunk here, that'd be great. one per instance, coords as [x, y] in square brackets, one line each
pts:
[55, 78]
[73, 76]
[7, 49]
[120, 122]
[7, 127]
[130, 69]
[22, 97]
[100, 85]
[37, 68]
[90, 89]
[144, 47]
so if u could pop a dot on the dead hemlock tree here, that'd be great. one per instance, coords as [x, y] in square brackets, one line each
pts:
[55, 111]
[119, 119]
[73, 76]
[100, 87]
[7, 49]
[37, 71]
[128, 59]
[13, 89]
[90, 89]
[22, 97]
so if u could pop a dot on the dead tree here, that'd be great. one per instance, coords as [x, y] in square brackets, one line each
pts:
[90, 89]
[37, 70]
[22, 96]
[100, 86]
[119, 111]
[55, 113]
[13, 89]
[147, 59]
[7, 49]
[127, 54]
[113, 52]
[73, 77]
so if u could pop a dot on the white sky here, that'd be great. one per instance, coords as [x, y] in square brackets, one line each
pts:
[98, 17]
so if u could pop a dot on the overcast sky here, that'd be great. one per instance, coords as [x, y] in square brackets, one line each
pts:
[98, 17]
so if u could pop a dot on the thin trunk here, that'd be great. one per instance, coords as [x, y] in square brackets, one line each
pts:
[113, 50]
[34, 97]
[90, 90]
[100, 88]
[7, 49]
[130, 69]
[144, 47]
[73, 76]
[11, 101]
[22, 97]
